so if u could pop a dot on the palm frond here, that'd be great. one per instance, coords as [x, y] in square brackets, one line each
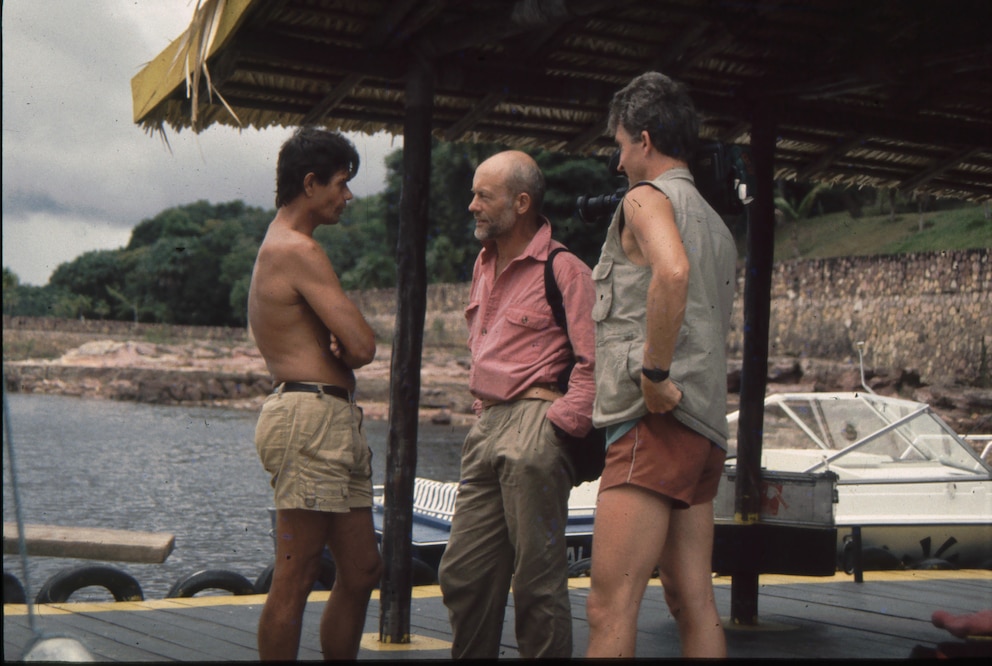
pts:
[194, 50]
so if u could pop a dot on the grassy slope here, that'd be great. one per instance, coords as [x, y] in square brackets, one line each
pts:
[839, 234]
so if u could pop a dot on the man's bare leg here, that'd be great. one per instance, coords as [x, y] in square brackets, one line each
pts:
[300, 539]
[687, 577]
[359, 568]
[628, 538]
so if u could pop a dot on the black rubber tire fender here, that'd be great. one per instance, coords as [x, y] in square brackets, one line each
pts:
[264, 580]
[62, 585]
[13, 591]
[328, 573]
[580, 568]
[211, 579]
[422, 573]
[325, 579]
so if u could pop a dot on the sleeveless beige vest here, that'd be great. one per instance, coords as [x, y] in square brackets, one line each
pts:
[699, 366]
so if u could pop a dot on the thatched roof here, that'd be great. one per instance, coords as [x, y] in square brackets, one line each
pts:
[882, 93]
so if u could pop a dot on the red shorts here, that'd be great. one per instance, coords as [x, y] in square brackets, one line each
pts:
[664, 456]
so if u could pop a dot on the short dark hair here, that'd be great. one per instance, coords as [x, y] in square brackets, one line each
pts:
[661, 106]
[311, 149]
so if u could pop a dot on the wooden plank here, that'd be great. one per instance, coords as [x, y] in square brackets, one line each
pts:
[90, 543]
[218, 635]
[111, 637]
[837, 620]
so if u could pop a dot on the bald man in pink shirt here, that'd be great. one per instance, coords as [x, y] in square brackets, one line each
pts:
[512, 506]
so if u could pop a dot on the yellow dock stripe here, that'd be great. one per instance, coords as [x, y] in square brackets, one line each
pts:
[434, 591]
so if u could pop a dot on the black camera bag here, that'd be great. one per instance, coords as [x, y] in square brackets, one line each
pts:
[587, 454]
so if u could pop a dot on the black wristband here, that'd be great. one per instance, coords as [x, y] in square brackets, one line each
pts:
[655, 375]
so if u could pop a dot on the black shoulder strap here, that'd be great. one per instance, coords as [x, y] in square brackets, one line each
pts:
[552, 292]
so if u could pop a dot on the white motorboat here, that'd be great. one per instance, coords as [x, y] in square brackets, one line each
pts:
[833, 465]
[920, 494]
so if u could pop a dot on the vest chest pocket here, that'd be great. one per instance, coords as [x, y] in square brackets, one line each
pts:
[602, 278]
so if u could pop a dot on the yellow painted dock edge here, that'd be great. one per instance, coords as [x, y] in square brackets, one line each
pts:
[434, 591]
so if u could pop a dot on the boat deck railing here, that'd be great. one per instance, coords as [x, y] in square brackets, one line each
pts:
[435, 498]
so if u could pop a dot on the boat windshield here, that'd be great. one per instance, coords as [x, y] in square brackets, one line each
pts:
[861, 435]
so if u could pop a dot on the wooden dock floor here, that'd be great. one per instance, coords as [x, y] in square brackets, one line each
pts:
[828, 618]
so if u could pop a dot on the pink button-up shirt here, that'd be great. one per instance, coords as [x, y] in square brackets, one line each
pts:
[513, 336]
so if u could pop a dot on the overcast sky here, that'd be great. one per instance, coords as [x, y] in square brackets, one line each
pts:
[78, 174]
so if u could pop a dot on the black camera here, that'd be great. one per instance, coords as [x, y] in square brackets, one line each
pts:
[597, 208]
[723, 174]
[592, 209]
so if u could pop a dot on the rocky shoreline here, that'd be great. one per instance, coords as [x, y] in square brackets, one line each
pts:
[233, 375]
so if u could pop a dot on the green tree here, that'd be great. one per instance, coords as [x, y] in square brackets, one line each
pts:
[235, 271]
[798, 210]
[205, 293]
[374, 270]
[170, 223]
[158, 278]
[97, 279]
[11, 291]
[445, 261]
[452, 246]
[452, 170]
[568, 177]
[361, 232]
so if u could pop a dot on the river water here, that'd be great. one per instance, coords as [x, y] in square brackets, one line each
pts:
[189, 471]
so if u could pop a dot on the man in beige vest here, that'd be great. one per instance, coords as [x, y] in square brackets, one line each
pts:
[664, 289]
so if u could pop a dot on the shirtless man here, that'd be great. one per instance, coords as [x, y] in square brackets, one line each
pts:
[309, 435]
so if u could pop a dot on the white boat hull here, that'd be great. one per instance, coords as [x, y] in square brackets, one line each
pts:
[942, 523]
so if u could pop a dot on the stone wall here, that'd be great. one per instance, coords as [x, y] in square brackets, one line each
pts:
[126, 330]
[928, 313]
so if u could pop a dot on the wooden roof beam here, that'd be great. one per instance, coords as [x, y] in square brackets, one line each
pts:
[840, 119]
[734, 134]
[337, 94]
[827, 157]
[276, 50]
[397, 25]
[481, 110]
[588, 137]
[937, 169]
[525, 16]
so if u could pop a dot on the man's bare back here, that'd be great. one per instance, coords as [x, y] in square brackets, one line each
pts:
[305, 326]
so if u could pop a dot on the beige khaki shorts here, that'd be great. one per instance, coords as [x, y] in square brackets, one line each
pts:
[314, 448]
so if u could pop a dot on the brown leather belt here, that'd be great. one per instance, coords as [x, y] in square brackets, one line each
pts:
[303, 387]
[548, 392]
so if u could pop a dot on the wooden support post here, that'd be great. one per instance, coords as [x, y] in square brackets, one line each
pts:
[754, 370]
[859, 564]
[408, 339]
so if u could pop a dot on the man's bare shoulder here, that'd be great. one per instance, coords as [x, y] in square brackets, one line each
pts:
[643, 202]
[293, 255]
[281, 239]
